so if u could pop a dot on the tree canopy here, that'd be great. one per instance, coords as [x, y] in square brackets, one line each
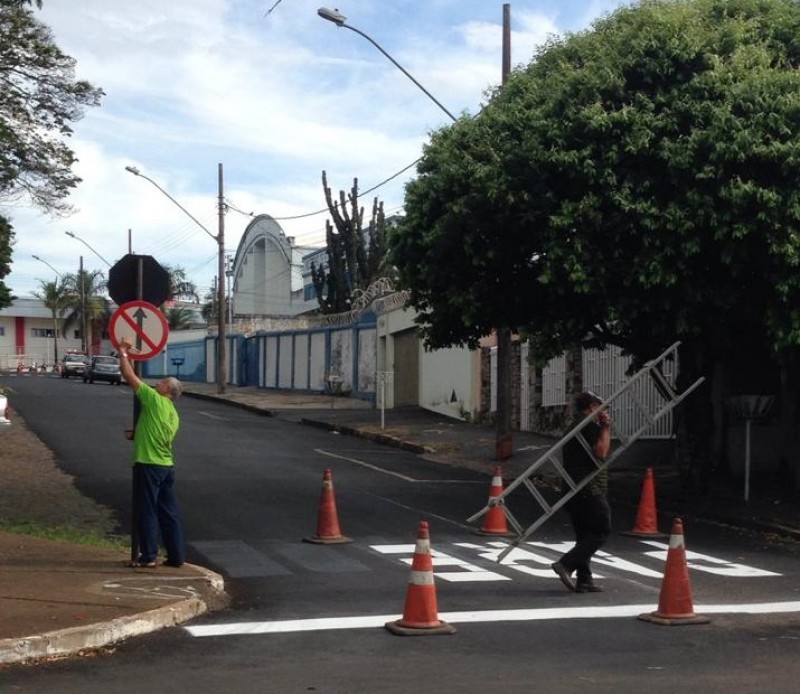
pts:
[41, 99]
[6, 242]
[635, 184]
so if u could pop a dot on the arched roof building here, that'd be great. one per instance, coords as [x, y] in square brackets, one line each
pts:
[269, 275]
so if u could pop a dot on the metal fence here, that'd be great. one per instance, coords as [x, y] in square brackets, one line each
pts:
[604, 371]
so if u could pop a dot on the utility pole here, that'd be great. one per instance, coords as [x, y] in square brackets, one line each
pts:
[222, 362]
[84, 321]
[504, 447]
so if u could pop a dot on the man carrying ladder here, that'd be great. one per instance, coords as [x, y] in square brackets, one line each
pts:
[574, 483]
[588, 509]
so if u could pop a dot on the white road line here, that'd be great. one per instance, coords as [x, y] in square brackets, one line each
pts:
[384, 471]
[472, 617]
[211, 416]
[405, 478]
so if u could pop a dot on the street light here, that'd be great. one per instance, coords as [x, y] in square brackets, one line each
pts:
[222, 375]
[55, 316]
[42, 260]
[78, 238]
[503, 441]
[340, 20]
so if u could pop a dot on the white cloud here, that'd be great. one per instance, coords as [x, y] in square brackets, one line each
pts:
[276, 99]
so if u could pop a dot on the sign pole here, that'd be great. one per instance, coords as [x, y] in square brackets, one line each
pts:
[136, 407]
[138, 279]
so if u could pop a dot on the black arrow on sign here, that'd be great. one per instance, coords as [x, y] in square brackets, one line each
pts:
[139, 316]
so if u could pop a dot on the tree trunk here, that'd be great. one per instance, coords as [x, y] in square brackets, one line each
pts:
[789, 412]
[504, 445]
[694, 421]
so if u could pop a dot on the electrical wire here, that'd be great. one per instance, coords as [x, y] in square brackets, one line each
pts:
[335, 204]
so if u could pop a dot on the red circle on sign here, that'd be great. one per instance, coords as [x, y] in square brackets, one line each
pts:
[143, 325]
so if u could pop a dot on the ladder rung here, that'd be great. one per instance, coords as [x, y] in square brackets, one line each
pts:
[531, 487]
[665, 389]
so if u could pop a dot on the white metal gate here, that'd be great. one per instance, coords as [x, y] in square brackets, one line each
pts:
[604, 373]
[524, 389]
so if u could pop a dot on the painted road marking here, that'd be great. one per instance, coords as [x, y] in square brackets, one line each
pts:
[240, 560]
[474, 617]
[464, 573]
[392, 473]
[524, 560]
[711, 565]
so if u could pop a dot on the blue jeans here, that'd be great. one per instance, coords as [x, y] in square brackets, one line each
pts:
[157, 510]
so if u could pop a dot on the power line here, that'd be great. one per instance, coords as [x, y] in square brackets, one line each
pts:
[336, 204]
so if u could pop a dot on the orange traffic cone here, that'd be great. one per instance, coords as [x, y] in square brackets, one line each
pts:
[646, 524]
[328, 532]
[675, 601]
[495, 521]
[420, 616]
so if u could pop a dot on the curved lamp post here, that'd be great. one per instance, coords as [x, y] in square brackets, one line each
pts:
[78, 238]
[55, 314]
[222, 375]
[42, 260]
[340, 20]
[503, 442]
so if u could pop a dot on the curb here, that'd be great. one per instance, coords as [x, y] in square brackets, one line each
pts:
[75, 640]
[384, 439]
[216, 398]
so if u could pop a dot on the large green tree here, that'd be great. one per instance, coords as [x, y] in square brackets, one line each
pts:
[644, 190]
[41, 99]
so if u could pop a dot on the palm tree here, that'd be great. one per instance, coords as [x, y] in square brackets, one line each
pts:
[179, 317]
[88, 306]
[179, 286]
[55, 296]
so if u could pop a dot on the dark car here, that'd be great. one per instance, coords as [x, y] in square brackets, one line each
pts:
[103, 369]
[73, 364]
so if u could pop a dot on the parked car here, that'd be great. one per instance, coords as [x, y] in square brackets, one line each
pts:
[5, 414]
[73, 364]
[103, 369]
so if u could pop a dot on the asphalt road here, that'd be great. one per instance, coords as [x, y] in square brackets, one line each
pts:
[309, 618]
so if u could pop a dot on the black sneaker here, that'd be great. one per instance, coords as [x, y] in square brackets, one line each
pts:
[564, 575]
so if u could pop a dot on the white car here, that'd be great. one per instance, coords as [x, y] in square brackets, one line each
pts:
[5, 414]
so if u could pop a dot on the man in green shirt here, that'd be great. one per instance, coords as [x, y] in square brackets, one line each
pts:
[156, 508]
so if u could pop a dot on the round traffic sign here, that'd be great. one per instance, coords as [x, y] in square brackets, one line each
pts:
[143, 325]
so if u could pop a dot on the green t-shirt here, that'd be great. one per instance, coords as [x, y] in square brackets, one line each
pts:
[156, 427]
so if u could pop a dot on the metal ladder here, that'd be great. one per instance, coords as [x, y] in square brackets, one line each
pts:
[629, 395]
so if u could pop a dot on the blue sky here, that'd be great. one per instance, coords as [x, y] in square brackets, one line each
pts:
[276, 97]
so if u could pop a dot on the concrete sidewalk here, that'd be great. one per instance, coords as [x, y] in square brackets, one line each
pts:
[59, 598]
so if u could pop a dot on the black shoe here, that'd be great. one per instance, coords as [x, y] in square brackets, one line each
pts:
[174, 564]
[587, 587]
[564, 575]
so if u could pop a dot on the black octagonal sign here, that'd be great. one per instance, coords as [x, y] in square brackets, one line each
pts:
[123, 280]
